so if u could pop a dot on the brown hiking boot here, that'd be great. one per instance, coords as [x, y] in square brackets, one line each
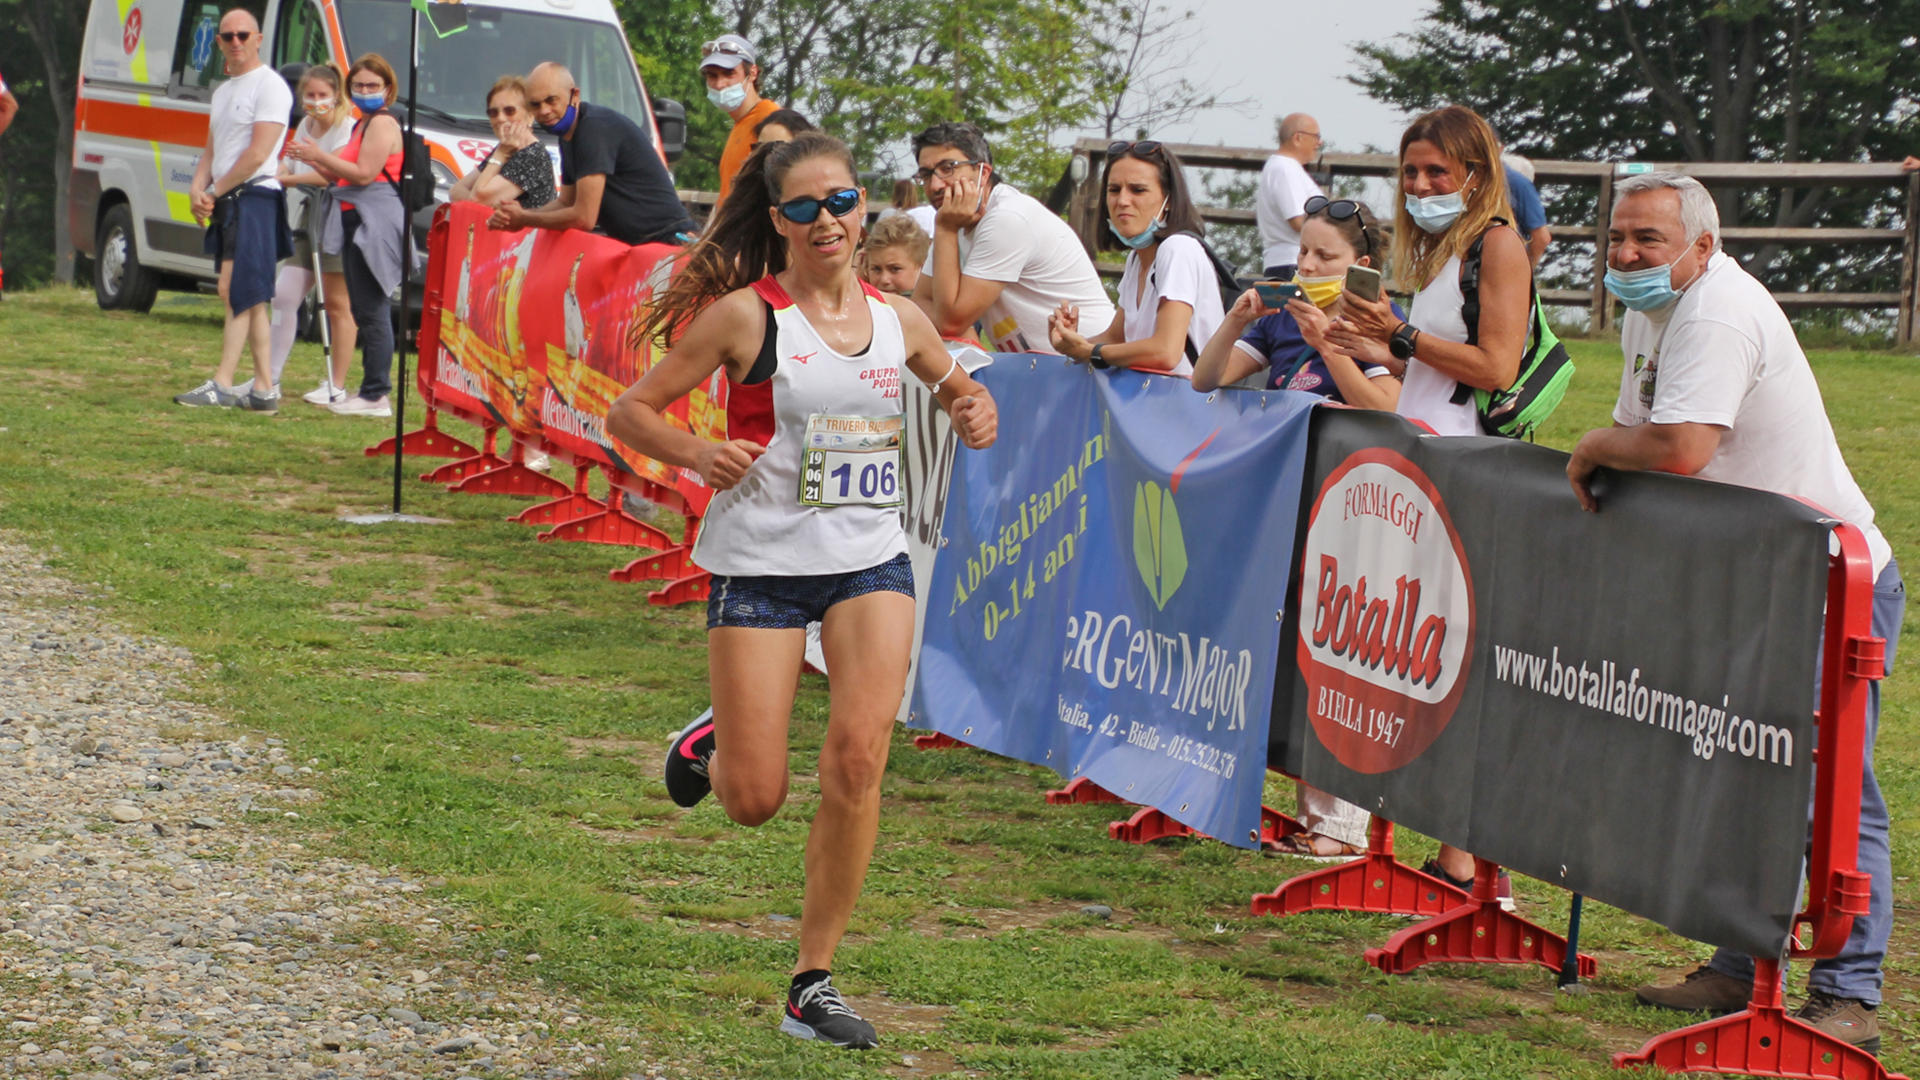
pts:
[1703, 990]
[1847, 1019]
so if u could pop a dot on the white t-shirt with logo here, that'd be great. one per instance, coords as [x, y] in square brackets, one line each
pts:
[1724, 354]
[1285, 188]
[259, 96]
[1040, 262]
[1181, 271]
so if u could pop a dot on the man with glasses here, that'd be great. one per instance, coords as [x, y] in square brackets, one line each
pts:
[732, 70]
[237, 195]
[611, 181]
[999, 257]
[1285, 188]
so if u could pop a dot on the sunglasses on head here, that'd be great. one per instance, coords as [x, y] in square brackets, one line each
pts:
[731, 48]
[1339, 210]
[806, 211]
[1143, 148]
[235, 35]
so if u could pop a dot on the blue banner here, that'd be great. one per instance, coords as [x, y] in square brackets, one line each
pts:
[1107, 594]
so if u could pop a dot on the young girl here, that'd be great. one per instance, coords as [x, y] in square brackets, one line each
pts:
[328, 124]
[896, 249]
[805, 525]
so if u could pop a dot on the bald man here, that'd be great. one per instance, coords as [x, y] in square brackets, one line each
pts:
[1285, 187]
[611, 181]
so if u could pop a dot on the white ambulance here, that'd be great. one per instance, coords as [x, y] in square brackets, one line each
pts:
[148, 69]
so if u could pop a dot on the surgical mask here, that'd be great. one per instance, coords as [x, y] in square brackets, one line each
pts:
[1649, 288]
[1436, 213]
[1147, 235]
[1321, 291]
[370, 103]
[320, 108]
[565, 123]
[729, 98]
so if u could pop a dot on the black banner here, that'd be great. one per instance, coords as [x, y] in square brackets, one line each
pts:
[1620, 703]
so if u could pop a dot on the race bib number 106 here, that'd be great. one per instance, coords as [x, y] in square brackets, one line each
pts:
[852, 461]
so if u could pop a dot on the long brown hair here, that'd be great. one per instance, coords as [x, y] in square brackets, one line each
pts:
[1461, 134]
[741, 244]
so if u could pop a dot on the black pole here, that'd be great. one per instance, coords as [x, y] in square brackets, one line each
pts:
[406, 257]
[1570, 967]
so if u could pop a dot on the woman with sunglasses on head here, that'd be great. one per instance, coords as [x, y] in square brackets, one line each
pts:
[805, 526]
[1169, 294]
[1291, 342]
[519, 168]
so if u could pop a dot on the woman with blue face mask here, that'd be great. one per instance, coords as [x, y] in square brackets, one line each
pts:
[1169, 294]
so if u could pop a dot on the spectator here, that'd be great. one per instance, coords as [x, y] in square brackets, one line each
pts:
[235, 193]
[999, 257]
[1450, 196]
[906, 200]
[731, 68]
[1291, 343]
[895, 251]
[1285, 188]
[611, 180]
[328, 125]
[1529, 214]
[768, 286]
[1714, 384]
[519, 167]
[781, 125]
[366, 225]
[1169, 294]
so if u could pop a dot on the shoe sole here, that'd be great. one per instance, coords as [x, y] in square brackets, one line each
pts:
[790, 1026]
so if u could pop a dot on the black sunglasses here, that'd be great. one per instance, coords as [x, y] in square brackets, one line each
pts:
[1340, 210]
[235, 35]
[807, 211]
[1143, 148]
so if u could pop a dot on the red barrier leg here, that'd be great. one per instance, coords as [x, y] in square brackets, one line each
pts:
[512, 477]
[1147, 825]
[1761, 1040]
[685, 582]
[1082, 790]
[1374, 883]
[576, 505]
[458, 470]
[1476, 932]
[610, 524]
[938, 740]
[427, 441]
[1276, 826]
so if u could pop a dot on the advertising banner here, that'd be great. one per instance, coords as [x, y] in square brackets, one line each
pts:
[1106, 594]
[1619, 703]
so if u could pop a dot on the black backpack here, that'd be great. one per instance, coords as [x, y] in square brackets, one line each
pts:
[1230, 287]
[415, 182]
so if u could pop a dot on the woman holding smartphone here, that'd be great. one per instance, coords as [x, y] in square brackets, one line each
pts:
[1291, 342]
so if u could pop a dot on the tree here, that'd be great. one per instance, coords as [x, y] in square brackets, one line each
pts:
[1147, 50]
[36, 153]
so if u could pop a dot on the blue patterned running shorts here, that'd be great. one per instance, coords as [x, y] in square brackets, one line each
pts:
[790, 603]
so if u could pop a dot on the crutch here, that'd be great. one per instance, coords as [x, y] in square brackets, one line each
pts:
[320, 289]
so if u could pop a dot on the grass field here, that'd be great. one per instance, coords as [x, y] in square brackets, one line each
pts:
[490, 711]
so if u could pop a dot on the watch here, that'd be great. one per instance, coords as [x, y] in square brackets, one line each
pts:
[1094, 357]
[1401, 343]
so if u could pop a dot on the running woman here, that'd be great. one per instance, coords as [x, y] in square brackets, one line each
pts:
[805, 525]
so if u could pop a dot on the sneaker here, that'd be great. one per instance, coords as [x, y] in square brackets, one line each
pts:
[322, 396]
[359, 406]
[1503, 886]
[260, 402]
[688, 756]
[817, 1011]
[538, 461]
[208, 393]
[1850, 1020]
[1703, 990]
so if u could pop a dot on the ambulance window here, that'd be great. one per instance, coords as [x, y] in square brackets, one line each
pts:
[197, 62]
[303, 36]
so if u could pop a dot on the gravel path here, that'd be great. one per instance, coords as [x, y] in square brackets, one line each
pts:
[149, 928]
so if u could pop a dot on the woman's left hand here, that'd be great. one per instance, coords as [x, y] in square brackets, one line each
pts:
[1369, 318]
[976, 419]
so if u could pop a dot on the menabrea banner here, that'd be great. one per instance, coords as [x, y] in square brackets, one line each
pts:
[1620, 703]
[1105, 600]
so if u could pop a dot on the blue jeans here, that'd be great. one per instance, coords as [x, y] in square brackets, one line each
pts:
[1856, 972]
[372, 314]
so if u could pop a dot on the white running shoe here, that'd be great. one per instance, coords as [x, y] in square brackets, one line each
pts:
[320, 395]
[359, 406]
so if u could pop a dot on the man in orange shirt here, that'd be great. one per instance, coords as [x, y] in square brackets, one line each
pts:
[732, 71]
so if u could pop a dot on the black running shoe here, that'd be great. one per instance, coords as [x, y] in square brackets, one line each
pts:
[819, 1012]
[687, 758]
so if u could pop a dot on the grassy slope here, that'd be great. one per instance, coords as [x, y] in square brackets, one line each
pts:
[488, 710]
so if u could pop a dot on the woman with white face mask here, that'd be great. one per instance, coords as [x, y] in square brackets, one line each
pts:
[1169, 294]
[328, 124]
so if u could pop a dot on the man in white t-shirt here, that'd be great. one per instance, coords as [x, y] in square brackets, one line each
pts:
[999, 257]
[1714, 384]
[237, 195]
[1281, 206]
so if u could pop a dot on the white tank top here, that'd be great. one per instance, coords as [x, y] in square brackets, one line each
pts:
[1427, 395]
[825, 498]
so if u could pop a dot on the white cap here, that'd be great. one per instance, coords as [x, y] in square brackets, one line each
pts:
[728, 51]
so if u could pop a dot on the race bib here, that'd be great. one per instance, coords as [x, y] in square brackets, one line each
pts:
[851, 461]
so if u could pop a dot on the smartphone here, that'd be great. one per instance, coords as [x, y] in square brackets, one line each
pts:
[1275, 294]
[1364, 282]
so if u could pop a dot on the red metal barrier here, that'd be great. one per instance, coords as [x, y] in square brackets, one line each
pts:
[1082, 790]
[1476, 932]
[425, 441]
[1375, 883]
[577, 503]
[941, 741]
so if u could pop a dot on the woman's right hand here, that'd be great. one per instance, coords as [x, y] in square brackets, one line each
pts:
[1063, 332]
[722, 465]
[1312, 321]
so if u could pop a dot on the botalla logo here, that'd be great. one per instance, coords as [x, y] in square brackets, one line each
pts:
[1386, 612]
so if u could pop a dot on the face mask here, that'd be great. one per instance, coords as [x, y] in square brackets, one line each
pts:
[1147, 235]
[320, 108]
[1436, 213]
[1647, 289]
[370, 103]
[729, 98]
[565, 123]
[1321, 291]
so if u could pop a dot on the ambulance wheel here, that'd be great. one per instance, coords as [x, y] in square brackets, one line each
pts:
[120, 283]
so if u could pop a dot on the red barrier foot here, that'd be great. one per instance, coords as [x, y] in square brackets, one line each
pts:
[1375, 883]
[1147, 825]
[1762, 1040]
[610, 525]
[1476, 932]
[1082, 790]
[1276, 826]
[576, 505]
[939, 740]
[691, 589]
[671, 564]
[511, 478]
[428, 441]
[457, 471]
